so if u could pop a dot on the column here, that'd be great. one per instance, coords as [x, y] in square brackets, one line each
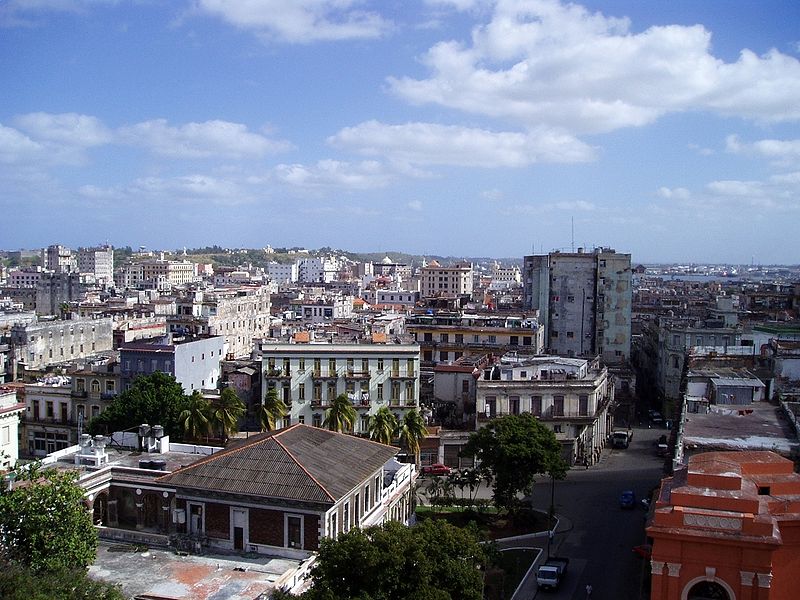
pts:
[764, 583]
[748, 592]
[674, 582]
[658, 581]
[139, 509]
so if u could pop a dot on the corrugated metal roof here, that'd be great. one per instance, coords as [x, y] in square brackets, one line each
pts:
[297, 463]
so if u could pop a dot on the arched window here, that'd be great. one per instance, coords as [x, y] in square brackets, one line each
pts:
[707, 590]
[95, 386]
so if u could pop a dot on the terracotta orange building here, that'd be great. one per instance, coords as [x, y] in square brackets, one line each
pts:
[727, 527]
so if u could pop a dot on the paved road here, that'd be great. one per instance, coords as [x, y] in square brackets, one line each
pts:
[595, 533]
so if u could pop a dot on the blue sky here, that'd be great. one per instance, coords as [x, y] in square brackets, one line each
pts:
[455, 127]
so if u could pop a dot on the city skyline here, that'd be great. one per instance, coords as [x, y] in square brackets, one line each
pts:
[446, 127]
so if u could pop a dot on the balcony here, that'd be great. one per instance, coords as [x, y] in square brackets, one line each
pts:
[277, 374]
[79, 393]
[328, 376]
[400, 375]
[353, 374]
[317, 403]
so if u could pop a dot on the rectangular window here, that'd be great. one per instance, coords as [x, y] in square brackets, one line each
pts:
[364, 365]
[317, 392]
[380, 392]
[513, 405]
[301, 392]
[286, 367]
[410, 367]
[331, 366]
[491, 407]
[380, 364]
[332, 391]
[396, 367]
[317, 366]
[558, 406]
[583, 405]
[395, 391]
[513, 340]
[459, 338]
[49, 409]
[317, 420]
[294, 528]
[301, 364]
[410, 392]
[443, 337]
[346, 517]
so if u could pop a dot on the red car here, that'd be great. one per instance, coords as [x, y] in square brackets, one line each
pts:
[436, 469]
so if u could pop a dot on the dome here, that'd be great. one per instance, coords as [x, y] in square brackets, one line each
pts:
[386, 260]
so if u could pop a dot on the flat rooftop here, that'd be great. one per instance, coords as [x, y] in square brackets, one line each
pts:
[164, 575]
[756, 426]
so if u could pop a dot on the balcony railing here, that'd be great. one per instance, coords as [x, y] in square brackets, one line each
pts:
[353, 374]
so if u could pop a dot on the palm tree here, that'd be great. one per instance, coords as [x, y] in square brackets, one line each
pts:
[382, 426]
[225, 412]
[411, 432]
[271, 410]
[341, 415]
[194, 418]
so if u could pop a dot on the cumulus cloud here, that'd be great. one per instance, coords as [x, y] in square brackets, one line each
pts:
[433, 144]
[780, 152]
[542, 63]
[200, 140]
[49, 139]
[43, 139]
[334, 174]
[677, 193]
[192, 188]
[300, 21]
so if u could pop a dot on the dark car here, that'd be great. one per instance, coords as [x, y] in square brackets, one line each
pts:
[627, 499]
[436, 469]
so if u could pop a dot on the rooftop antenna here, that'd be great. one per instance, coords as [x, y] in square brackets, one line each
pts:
[572, 222]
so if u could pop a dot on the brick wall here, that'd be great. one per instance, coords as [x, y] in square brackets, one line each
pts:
[218, 521]
[266, 527]
[311, 532]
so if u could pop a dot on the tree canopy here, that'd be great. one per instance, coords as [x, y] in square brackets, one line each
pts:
[44, 525]
[226, 412]
[18, 583]
[511, 451]
[271, 410]
[341, 416]
[156, 399]
[432, 561]
[382, 426]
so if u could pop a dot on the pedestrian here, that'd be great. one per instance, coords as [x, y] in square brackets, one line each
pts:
[588, 591]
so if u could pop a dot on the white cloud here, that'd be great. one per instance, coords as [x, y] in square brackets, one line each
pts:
[300, 21]
[335, 174]
[433, 144]
[65, 128]
[15, 146]
[200, 140]
[49, 139]
[191, 189]
[678, 193]
[780, 152]
[577, 205]
[542, 63]
[415, 205]
[494, 195]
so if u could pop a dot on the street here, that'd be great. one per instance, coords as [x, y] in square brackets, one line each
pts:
[596, 534]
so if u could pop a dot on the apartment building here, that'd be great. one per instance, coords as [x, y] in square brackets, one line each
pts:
[46, 425]
[447, 336]
[10, 410]
[451, 281]
[39, 344]
[157, 274]
[99, 261]
[193, 361]
[308, 376]
[240, 315]
[572, 396]
[584, 301]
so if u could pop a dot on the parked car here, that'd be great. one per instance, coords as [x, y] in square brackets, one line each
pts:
[550, 574]
[436, 469]
[627, 499]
